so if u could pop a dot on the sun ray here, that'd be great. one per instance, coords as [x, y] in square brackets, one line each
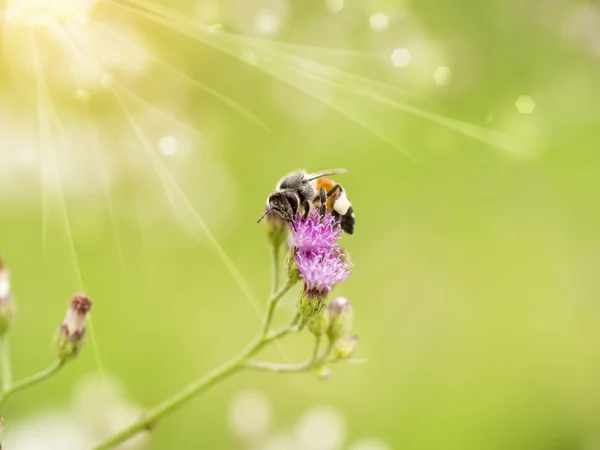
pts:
[236, 106]
[174, 193]
[353, 83]
[90, 125]
[47, 114]
[105, 186]
[235, 45]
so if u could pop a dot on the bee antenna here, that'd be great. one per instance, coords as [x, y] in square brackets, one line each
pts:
[264, 215]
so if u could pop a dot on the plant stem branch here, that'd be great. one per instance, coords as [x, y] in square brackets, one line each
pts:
[316, 350]
[206, 381]
[275, 268]
[307, 366]
[5, 363]
[271, 304]
[30, 381]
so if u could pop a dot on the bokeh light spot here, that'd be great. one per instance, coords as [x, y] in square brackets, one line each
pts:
[442, 75]
[334, 5]
[267, 22]
[167, 145]
[81, 95]
[215, 28]
[525, 104]
[400, 57]
[106, 81]
[379, 21]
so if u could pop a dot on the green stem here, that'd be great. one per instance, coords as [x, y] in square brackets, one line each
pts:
[271, 303]
[30, 381]
[191, 390]
[264, 366]
[316, 349]
[307, 366]
[275, 268]
[5, 363]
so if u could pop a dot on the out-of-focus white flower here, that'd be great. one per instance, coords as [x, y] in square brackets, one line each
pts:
[250, 415]
[53, 430]
[321, 428]
[101, 405]
[99, 410]
[370, 444]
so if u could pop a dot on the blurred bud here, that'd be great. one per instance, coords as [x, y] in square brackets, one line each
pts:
[322, 372]
[277, 228]
[71, 334]
[6, 300]
[290, 265]
[345, 347]
[340, 318]
[311, 302]
[318, 324]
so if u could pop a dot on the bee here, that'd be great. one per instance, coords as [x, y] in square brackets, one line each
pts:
[300, 191]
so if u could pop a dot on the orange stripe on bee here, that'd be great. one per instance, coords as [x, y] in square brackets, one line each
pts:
[328, 184]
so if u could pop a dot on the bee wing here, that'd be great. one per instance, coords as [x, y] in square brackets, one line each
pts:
[324, 173]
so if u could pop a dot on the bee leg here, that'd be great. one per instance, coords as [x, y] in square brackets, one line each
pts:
[323, 201]
[333, 190]
[306, 207]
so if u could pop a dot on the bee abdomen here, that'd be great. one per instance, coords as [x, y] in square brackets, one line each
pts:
[347, 221]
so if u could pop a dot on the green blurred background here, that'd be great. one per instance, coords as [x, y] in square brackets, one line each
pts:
[476, 249]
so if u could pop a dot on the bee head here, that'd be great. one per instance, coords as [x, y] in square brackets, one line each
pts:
[284, 203]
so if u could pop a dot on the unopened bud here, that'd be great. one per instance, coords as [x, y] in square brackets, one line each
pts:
[290, 264]
[322, 372]
[311, 302]
[318, 325]
[7, 305]
[345, 347]
[340, 318]
[71, 334]
[277, 228]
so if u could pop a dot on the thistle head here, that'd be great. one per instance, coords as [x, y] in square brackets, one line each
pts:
[322, 270]
[71, 334]
[315, 233]
[318, 259]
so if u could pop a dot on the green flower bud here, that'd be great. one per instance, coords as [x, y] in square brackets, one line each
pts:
[340, 318]
[71, 334]
[322, 372]
[277, 229]
[311, 302]
[345, 347]
[290, 265]
[318, 325]
[7, 305]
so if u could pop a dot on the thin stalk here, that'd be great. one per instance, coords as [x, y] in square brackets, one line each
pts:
[275, 268]
[5, 363]
[307, 366]
[30, 381]
[272, 303]
[190, 391]
[316, 349]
